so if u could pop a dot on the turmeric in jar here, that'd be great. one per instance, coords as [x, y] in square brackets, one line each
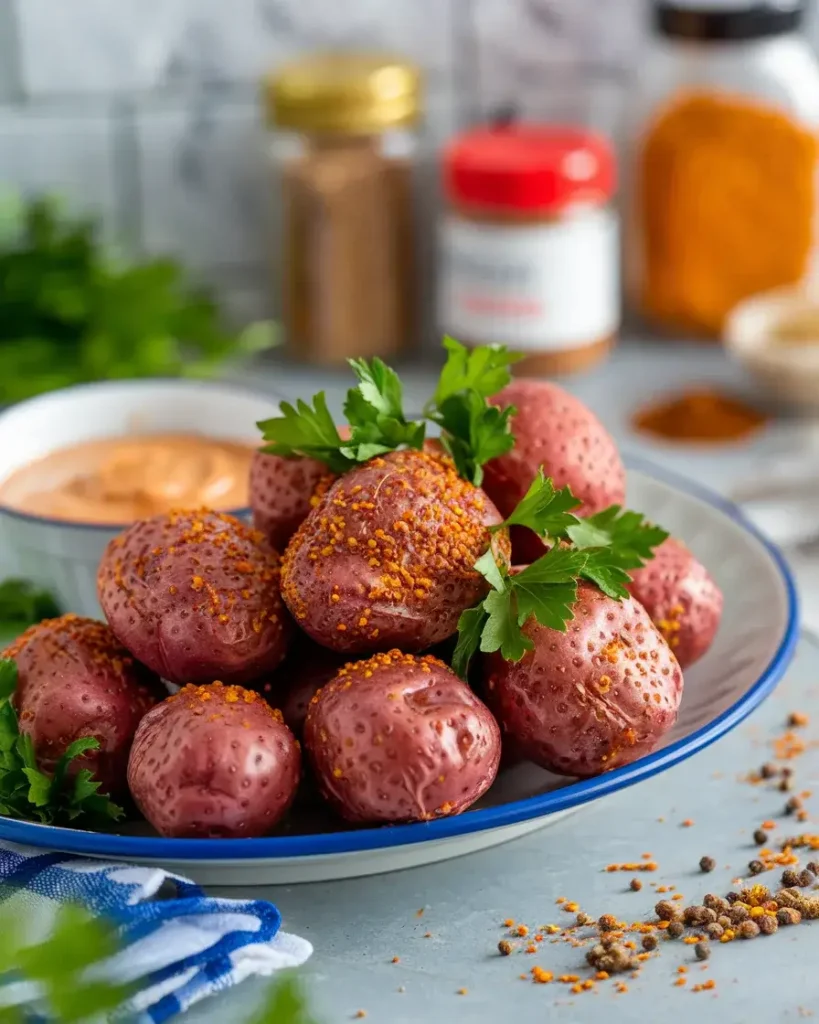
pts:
[727, 199]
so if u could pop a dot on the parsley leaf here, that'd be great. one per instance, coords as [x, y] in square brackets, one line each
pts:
[470, 629]
[502, 630]
[375, 412]
[22, 604]
[308, 431]
[544, 509]
[627, 532]
[30, 794]
[484, 370]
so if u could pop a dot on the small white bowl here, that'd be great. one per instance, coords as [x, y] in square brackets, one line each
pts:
[789, 373]
[63, 556]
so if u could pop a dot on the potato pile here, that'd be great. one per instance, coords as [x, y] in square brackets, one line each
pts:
[321, 634]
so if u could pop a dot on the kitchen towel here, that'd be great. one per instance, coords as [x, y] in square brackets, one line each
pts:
[175, 951]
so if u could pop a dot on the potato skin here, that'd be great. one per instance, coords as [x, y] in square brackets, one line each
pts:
[684, 602]
[214, 760]
[74, 680]
[555, 430]
[195, 596]
[592, 699]
[399, 738]
[281, 491]
[307, 668]
[386, 558]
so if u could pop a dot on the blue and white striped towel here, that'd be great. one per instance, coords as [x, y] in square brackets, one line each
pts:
[176, 951]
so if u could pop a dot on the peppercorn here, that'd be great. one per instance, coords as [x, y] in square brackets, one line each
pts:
[788, 915]
[724, 921]
[806, 878]
[716, 903]
[809, 909]
[785, 785]
[790, 878]
[739, 914]
[707, 864]
[748, 930]
[635, 885]
[768, 770]
[702, 950]
[667, 911]
[756, 867]
[696, 915]
[505, 947]
[649, 943]
[675, 929]
[584, 920]
[768, 924]
[607, 923]
[732, 897]
[714, 931]
[793, 805]
[760, 837]
[786, 773]
[813, 866]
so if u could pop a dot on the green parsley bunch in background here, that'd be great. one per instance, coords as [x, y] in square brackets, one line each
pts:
[71, 312]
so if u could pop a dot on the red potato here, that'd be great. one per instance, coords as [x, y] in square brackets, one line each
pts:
[399, 738]
[387, 557]
[682, 599]
[594, 698]
[281, 491]
[214, 761]
[555, 430]
[195, 596]
[307, 668]
[74, 679]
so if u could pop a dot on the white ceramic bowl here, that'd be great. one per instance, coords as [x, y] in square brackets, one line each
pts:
[62, 556]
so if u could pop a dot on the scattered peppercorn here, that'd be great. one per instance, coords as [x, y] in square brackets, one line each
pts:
[675, 929]
[813, 866]
[768, 924]
[790, 878]
[707, 864]
[505, 947]
[702, 950]
[739, 913]
[666, 911]
[788, 915]
[635, 885]
[607, 923]
[793, 805]
[649, 943]
[768, 770]
[806, 878]
[786, 784]
[724, 921]
[584, 920]
[732, 897]
[756, 867]
[714, 930]
[760, 837]
[748, 930]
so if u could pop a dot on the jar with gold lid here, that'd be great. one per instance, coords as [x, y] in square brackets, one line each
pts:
[341, 146]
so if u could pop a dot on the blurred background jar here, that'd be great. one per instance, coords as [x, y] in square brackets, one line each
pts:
[530, 244]
[723, 176]
[342, 143]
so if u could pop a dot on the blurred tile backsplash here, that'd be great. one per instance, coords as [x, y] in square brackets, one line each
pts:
[147, 110]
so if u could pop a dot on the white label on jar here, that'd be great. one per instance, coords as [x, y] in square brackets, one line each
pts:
[535, 287]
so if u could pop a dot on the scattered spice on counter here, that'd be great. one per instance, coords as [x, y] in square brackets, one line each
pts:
[645, 865]
[707, 864]
[522, 931]
[463, 991]
[760, 837]
[540, 977]
[505, 947]
[396, 960]
[635, 885]
[687, 823]
[701, 415]
[360, 1014]
[798, 719]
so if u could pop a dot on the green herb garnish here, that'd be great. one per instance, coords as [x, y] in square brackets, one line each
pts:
[30, 794]
[22, 604]
[70, 311]
[601, 549]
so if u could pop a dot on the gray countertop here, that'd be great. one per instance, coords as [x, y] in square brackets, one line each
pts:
[358, 926]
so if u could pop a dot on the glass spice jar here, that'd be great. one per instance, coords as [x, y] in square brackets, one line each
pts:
[341, 147]
[530, 245]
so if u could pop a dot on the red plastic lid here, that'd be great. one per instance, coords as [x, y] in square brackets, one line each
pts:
[529, 167]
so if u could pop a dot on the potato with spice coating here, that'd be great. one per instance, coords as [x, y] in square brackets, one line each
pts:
[74, 679]
[214, 761]
[195, 596]
[596, 697]
[556, 431]
[400, 738]
[682, 599]
[387, 557]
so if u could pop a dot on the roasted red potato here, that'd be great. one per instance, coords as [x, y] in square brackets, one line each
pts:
[74, 679]
[281, 491]
[214, 761]
[195, 596]
[596, 697]
[387, 557]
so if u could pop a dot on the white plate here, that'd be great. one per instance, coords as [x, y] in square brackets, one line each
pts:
[755, 644]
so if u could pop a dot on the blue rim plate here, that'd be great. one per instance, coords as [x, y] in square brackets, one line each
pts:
[274, 848]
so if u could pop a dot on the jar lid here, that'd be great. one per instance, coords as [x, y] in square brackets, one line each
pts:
[343, 92]
[727, 20]
[532, 167]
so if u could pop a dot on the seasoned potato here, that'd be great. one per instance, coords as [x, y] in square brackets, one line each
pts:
[684, 602]
[195, 596]
[307, 667]
[594, 698]
[74, 679]
[214, 761]
[400, 738]
[280, 494]
[386, 558]
[555, 430]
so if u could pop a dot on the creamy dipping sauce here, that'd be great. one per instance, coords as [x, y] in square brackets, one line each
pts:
[119, 479]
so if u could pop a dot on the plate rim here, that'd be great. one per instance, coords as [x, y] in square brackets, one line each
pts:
[369, 840]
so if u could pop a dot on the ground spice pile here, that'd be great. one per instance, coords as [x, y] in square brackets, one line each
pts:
[700, 415]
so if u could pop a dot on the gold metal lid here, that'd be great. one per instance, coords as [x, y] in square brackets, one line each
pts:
[343, 92]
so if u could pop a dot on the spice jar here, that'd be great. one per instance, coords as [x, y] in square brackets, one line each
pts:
[341, 149]
[530, 250]
[722, 195]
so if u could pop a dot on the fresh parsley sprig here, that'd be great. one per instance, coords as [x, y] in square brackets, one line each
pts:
[473, 432]
[601, 549]
[30, 794]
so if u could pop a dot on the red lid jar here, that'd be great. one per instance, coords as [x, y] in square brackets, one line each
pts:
[531, 244]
